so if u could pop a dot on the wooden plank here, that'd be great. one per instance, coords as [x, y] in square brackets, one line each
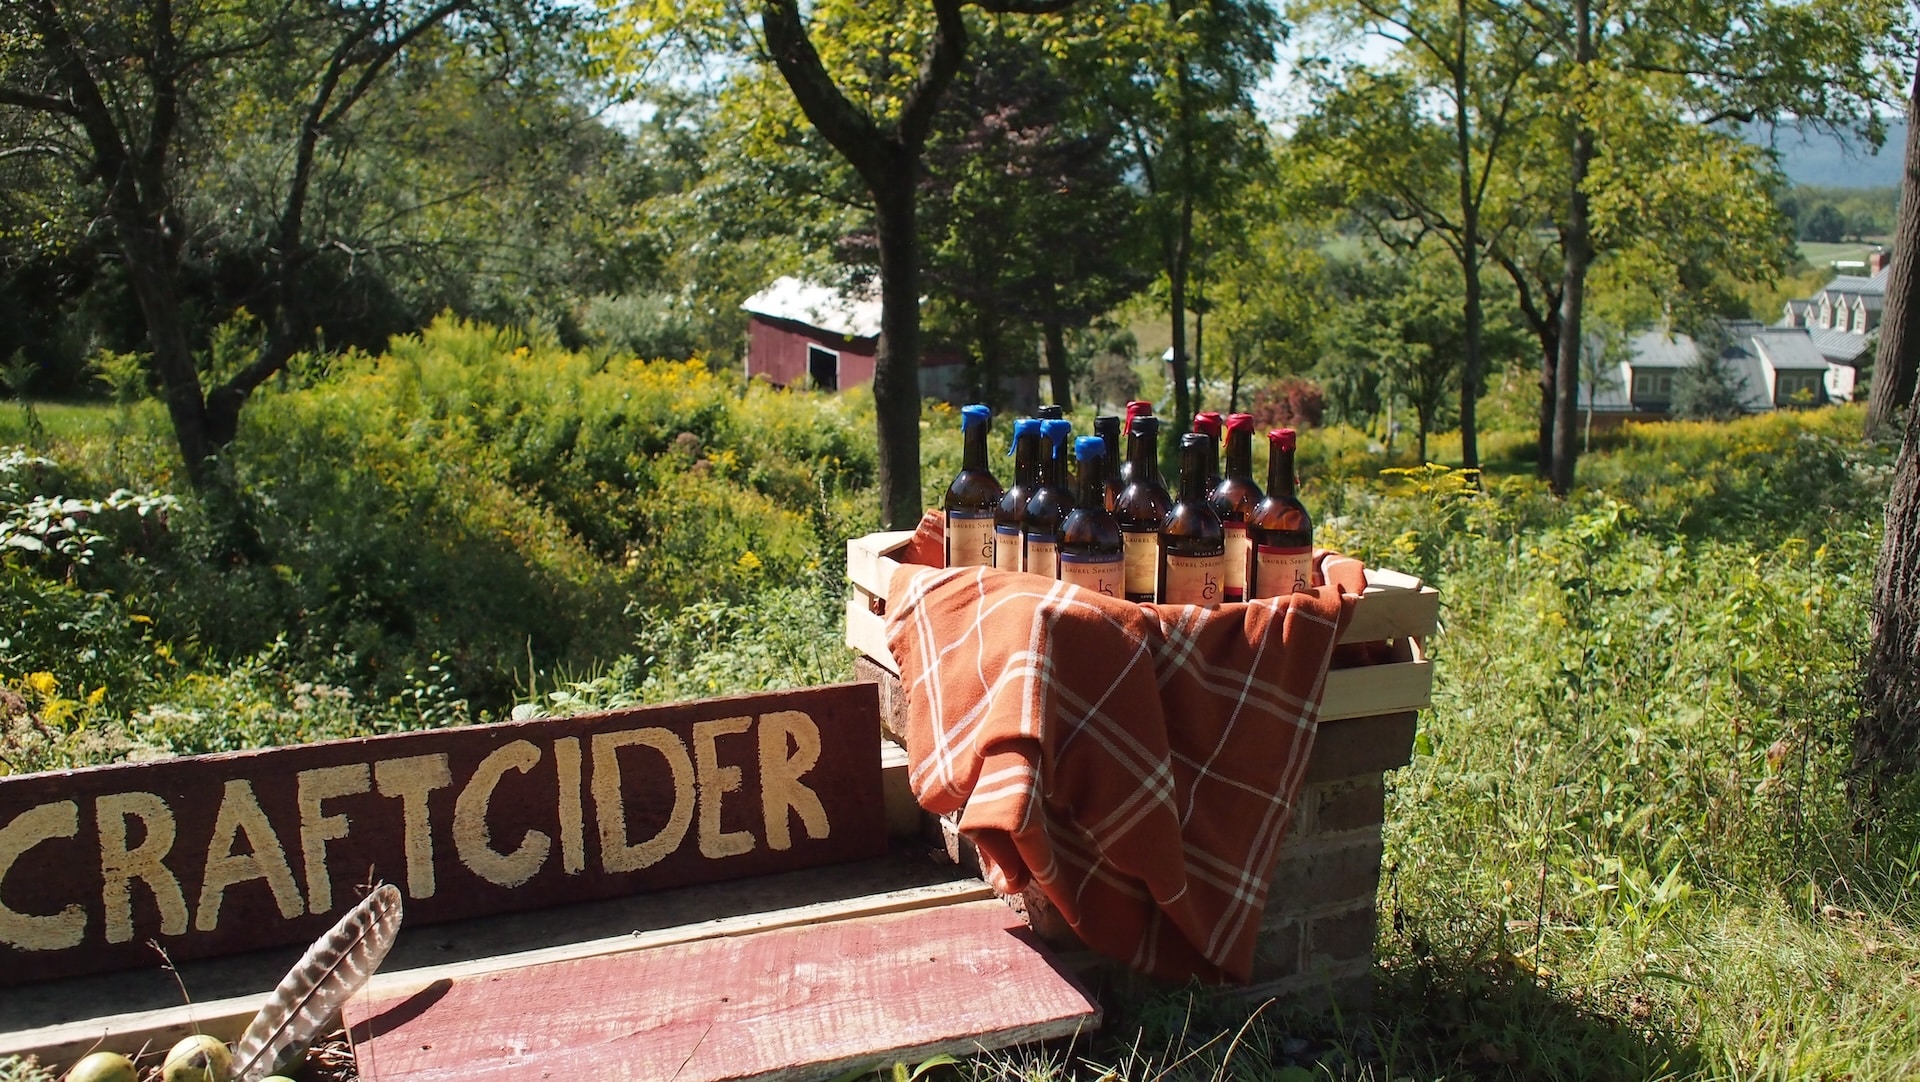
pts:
[217, 854]
[1385, 613]
[869, 560]
[793, 1004]
[867, 633]
[131, 1031]
[1377, 689]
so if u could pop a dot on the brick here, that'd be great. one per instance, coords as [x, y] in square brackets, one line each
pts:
[1350, 805]
[1276, 951]
[1340, 938]
[1352, 747]
[1312, 878]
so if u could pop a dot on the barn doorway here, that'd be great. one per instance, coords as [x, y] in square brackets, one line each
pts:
[823, 369]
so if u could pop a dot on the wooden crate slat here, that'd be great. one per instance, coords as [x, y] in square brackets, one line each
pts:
[788, 1004]
[1377, 689]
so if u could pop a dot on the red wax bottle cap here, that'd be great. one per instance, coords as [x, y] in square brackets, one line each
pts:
[1282, 438]
[1235, 422]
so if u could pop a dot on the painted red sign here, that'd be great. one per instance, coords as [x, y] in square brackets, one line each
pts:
[216, 854]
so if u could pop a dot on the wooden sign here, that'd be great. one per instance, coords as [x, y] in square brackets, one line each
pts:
[216, 854]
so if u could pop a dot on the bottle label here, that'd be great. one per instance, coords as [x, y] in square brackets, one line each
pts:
[1101, 574]
[969, 538]
[1006, 549]
[1195, 580]
[1239, 552]
[1282, 570]
[1043, 558]
[1143, 562]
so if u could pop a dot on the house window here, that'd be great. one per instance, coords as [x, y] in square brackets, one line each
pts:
[1799, 387]
[823, 369]
[1826, 314]
[1653, 385]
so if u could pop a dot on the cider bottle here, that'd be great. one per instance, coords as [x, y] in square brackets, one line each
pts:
[1280, 529]
[1049, 504]
[973, 496]
[1012, 511]
[1193, 547]
[1091, 553]
[1141, 508]
[1108, 429]
[1234, 499]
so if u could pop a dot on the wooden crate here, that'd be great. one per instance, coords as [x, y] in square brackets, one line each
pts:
[1396, 608]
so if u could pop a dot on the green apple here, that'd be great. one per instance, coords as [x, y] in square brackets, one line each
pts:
[103, 1067]
[198, 1058]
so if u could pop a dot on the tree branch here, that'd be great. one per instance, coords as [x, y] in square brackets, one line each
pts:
[44, 103]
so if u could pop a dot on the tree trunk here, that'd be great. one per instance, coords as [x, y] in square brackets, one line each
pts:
[1177, 248]
[1055, 337]
[153, 267]
[1887, 732]
[1898, 357]
[896, 364]
[1471, 373]
[1577, 246]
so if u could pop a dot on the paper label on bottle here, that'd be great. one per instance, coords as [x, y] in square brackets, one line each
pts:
[1239, 552]
[1195, 580]
[1282, 570]
[1101, 574]
[969, 538]
[1043, 558]
[1006, 548]
[1143, 562]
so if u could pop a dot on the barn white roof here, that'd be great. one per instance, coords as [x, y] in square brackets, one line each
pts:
[819, 306]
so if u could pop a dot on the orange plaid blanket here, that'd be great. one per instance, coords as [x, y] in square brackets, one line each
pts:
[1138, 763]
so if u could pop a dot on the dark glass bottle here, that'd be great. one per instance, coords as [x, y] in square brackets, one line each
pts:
[1141, 508]
[1193, 547]
[1135, 410]
[1051, 413]
[1012, 512]
[1280, 529]
[1091, 553]
[1108, 429]
[973, 496]
[1207, 423]
[1049, 504]
[1234, 499]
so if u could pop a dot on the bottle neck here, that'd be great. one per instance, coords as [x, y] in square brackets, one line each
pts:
[1240, 455]
[1026, 461]
[1090, 491]
[974, 454]
[1193, 471]
[1143, 452]
[1280, 473]
[1052, 467]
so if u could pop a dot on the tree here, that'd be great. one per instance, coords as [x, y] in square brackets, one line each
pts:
[1897, 357]
[1886, 736]
[127, 85]
[1618, 63]
[1180, 76]
[1427, 148]
[1030, 223]
[878, 117]
[1704, 391]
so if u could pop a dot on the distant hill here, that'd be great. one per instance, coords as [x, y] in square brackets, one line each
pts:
[1828, 162]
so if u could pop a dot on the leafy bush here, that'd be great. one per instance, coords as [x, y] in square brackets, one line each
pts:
[1290, 400]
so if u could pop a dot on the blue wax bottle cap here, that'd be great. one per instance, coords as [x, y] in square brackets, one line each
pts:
[1025, 426]
[974, 415]
[1089, 447]
[1056, 432]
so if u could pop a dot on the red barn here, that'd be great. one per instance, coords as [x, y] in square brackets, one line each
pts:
[800, 334]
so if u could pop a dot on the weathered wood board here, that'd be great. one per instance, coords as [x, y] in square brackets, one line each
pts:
[794, 1003]
[217, 854]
